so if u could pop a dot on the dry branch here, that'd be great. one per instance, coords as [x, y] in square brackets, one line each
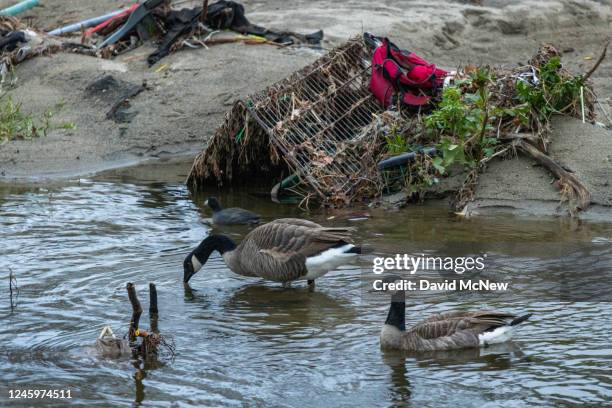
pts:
[598, 62]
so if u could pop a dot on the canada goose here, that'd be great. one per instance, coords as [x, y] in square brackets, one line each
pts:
[445, 331]
[283, 250]
[230, 216]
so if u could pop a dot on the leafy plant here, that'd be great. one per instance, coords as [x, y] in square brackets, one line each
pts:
[450, 153]
[553, 93]
[396, 143]
[15, 124]
[470, 116]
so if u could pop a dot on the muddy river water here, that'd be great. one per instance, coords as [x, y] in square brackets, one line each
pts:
[242, 342]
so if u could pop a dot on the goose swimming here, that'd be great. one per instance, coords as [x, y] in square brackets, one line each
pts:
[283, 250]
[446, 331]
[230, 216]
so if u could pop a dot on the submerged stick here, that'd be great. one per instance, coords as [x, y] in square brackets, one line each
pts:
[13, 289]
[578, 190]
[136, 311]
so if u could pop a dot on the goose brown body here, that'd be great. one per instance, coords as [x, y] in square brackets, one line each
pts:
[277, 251]
[446, 331]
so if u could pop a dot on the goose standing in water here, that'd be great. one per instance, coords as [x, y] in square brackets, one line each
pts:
[283, 250]
[446, 331]
[230, 216]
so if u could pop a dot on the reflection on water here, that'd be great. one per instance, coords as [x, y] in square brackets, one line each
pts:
[243, 341]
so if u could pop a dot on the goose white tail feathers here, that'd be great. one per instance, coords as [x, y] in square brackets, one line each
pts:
[501, 334]
[496, 336]
[330, 259]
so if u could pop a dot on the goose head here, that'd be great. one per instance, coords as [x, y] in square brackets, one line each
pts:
[198, 257]
[213, 203]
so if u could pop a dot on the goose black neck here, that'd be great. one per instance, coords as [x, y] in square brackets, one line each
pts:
[214, 204]
[212, 243]
[397, 311]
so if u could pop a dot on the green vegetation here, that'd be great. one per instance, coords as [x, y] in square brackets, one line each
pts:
[470, 118]
[555, 93]
[16, 124]
[396, 143]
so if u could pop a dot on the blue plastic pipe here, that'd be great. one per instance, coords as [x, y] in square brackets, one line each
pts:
[85, 23]
[19, 8]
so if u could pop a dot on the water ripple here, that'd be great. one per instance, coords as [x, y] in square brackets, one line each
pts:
[243, 341]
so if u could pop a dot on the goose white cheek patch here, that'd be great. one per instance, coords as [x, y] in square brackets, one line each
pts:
[196, 264]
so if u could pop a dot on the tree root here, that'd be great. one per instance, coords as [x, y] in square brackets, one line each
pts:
[572, 189]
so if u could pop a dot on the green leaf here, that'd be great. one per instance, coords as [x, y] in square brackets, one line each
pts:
[437, 163]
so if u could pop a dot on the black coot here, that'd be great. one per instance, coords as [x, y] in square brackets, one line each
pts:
[230, 216]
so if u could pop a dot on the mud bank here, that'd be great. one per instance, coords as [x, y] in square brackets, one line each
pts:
[520, 186]
[186, 94]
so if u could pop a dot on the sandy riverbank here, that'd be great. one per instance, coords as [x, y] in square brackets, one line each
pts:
[182, 105]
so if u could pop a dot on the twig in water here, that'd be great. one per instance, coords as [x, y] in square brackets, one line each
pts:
[13, 290]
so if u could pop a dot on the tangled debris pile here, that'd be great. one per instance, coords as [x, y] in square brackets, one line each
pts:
[316, 120]
[152, 343]
[123, 30]
[18, 44]
[323, 126]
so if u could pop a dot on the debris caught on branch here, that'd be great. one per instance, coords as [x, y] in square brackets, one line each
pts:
[147, 345]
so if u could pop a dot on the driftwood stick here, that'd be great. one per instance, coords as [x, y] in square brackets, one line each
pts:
[153, 299]
[136, 311]
[578, 191]
[599, 61]
[11, 288]
[153, 312]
